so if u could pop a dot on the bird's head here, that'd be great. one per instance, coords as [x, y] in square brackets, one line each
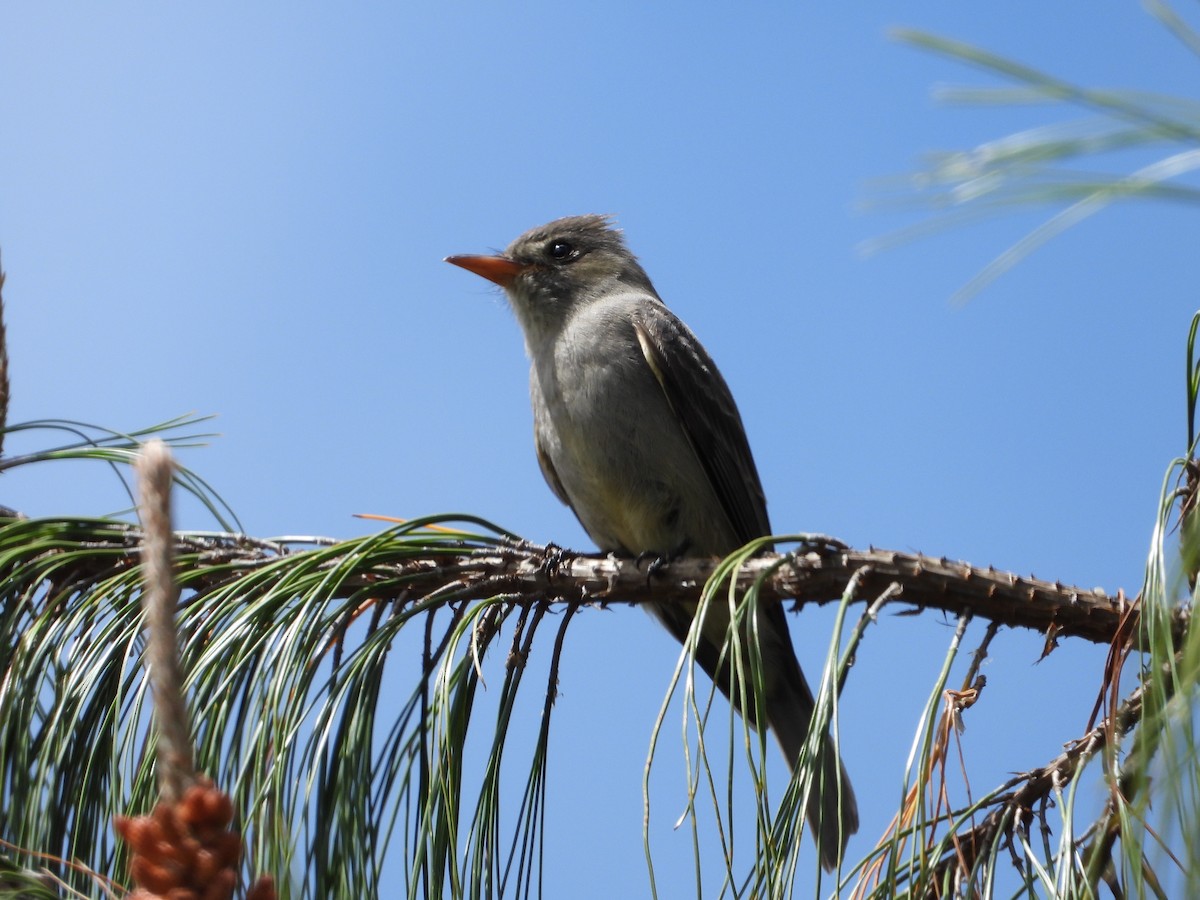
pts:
[551, 270]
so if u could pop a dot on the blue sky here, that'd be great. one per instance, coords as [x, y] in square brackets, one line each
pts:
[242, 210]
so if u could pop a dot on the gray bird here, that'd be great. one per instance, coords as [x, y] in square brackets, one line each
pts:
[638, 433]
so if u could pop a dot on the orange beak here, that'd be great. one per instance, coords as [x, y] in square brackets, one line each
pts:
[500, 269]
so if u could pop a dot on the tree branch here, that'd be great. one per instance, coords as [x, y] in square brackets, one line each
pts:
[431, 567]
[1020, 799]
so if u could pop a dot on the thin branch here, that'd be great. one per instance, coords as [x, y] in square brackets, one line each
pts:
[441, 569]
[176, 770]
[1015, 802]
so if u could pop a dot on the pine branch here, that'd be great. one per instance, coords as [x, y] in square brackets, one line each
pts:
[1025, 796]
[429, 567]
[260, 619]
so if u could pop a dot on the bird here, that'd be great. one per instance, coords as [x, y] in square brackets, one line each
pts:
[638, 433]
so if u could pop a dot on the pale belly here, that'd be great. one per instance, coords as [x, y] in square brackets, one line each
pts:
[625, 463]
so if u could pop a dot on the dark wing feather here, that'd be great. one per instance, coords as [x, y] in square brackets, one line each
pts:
[549, 472]
[702, 401]
[704, 405]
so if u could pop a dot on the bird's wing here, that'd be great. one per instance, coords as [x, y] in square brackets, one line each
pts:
[702, 402]
[704, 405]
[548, 471]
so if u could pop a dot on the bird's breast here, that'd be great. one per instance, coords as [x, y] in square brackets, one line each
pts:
[619, 453]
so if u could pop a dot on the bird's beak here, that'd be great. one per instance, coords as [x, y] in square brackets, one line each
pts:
[499, 269]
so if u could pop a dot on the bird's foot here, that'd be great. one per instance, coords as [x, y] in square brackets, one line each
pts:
[553, 558]
[656, 561]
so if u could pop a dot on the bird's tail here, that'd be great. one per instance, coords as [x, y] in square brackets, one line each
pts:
[832, 812]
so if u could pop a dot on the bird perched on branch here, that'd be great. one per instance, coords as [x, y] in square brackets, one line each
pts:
[638, 433]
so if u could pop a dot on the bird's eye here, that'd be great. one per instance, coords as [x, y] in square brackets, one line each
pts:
[562, 250]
